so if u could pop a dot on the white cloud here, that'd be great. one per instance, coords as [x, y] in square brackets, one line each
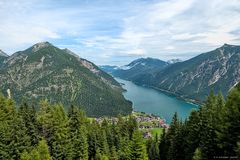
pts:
[104, 31]
[169, 47]
[184, 26]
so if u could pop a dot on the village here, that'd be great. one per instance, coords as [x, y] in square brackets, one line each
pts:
[151, 125]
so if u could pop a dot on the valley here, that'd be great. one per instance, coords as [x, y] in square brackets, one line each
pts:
[192, 80]
[155, 102]
[119, 80]
[45, 72]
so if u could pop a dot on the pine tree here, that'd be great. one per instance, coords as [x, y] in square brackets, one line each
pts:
[115, 134]
[177, 142]
[171, 136]
[229, 131]
[55, 129]
[123, 126]
[93, 142]
[138, 148]
[153, 149]
[132, 125]
[103, 145]
[43, 150]
[80, 144]
[28, 115]
[193, 137]
[114, 155]
[78, 133]
[208, 143]
[124, 151]
[77, 118]
[13, 132]
[163, 146]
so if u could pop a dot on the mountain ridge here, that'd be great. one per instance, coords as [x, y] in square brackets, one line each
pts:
[193, 79]
[44, 70]
[137, 68]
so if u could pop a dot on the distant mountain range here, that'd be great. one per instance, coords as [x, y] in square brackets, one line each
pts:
[44, 71]
[137, 68]
[217, 70]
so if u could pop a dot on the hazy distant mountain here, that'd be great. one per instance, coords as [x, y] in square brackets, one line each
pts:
[137, 68]
[45, 71]
[109, 69]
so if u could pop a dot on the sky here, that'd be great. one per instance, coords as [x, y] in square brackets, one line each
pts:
[116, 32]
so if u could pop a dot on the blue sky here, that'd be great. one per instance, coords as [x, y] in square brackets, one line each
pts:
[118, 31]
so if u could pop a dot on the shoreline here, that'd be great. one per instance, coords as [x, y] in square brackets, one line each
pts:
[187, 100]
[169, 93]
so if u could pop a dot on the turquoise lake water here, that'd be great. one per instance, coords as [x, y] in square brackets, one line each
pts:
[152, 101]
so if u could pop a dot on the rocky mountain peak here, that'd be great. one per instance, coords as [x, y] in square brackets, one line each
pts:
[228, 46]
[40, 45]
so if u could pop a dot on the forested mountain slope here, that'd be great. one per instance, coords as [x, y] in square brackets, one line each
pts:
[45, 71]
[217, 70]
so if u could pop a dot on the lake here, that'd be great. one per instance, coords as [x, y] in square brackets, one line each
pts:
[152, 101]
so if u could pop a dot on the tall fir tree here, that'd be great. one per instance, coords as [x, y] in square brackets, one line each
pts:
[55, 129]
[229, 132]
[13, 132]
[153, 148]
[163, 146]
[170, 137]
[193, 137]
[78, 133]
[138, 147]
[124, 151]
[207, 132]
[41, 152]
[28, 115]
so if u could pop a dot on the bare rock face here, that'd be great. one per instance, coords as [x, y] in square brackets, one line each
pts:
[44, 71]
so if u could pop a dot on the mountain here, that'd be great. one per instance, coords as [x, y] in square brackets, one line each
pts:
[3, 56]
[45, 71]
[217, 70]
[135, 70]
